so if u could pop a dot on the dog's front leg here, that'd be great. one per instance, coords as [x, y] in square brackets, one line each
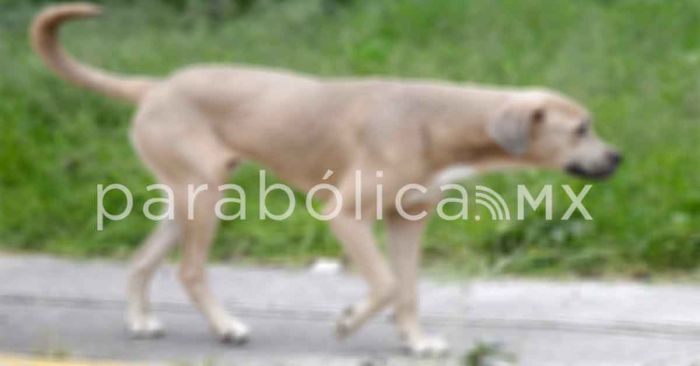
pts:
[405, 251]
[358, 241]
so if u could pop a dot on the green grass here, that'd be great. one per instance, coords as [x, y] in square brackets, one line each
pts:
[635, 64]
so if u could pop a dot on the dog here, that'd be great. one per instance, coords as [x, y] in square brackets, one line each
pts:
[197, 125]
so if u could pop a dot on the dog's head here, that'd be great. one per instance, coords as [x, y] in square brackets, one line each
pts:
[545, 129]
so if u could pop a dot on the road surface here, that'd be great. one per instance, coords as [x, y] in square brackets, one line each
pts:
[74, 309]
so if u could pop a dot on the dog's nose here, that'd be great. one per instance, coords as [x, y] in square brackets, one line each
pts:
[615, 158]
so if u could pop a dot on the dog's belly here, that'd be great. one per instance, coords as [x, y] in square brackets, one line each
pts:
[295, 150]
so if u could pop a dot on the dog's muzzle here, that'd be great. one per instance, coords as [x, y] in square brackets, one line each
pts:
[613, 160]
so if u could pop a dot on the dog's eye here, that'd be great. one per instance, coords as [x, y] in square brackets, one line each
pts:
[582, 130]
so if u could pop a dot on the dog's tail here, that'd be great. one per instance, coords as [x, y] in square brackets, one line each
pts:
[44, 39]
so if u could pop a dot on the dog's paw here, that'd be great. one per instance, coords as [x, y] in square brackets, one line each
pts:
[147, 327]
[427, 347]
[233, 332]
[344, 325]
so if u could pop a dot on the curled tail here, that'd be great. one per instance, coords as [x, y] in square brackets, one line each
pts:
[44, 39]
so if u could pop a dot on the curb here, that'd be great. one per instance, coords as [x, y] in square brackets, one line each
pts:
[12, 360]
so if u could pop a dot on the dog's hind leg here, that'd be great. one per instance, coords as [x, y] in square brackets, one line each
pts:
[198, 233]
[186, 155]
[143, 266]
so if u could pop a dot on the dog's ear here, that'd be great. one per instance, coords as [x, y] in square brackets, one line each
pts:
[511, 127]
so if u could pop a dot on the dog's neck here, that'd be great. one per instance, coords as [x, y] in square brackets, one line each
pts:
[462, 140]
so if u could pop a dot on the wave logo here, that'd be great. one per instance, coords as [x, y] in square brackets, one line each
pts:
[493, 202]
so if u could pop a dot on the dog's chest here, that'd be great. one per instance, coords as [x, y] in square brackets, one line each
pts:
[452, 174]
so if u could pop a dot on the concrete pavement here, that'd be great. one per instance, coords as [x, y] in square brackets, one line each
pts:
[75, 309]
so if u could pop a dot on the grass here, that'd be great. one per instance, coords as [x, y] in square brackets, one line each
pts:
[635, 64]
[488, 353]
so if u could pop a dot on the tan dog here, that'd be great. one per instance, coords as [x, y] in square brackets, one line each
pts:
[196, 126]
